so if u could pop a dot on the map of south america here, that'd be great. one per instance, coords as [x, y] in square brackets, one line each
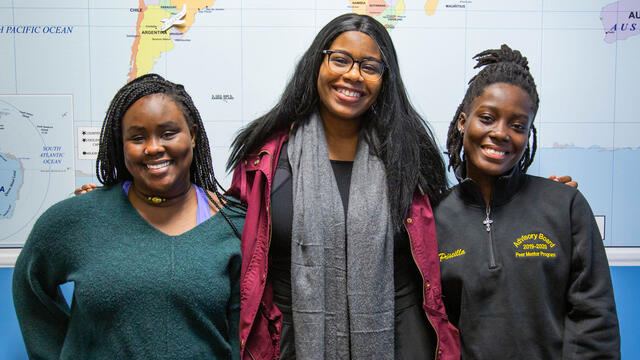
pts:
[150, 41]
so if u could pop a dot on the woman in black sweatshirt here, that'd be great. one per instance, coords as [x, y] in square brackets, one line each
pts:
[524, 271]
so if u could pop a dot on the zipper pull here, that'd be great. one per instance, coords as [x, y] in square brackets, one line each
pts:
[488, 221]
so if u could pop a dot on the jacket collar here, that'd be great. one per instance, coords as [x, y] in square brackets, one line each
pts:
[274, 143]
[506, 186]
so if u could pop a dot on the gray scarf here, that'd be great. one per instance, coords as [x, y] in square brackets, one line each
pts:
[341, 272]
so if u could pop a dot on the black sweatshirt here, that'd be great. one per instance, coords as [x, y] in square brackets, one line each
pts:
[531, 279]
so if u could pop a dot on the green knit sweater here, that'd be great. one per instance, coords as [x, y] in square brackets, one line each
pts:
[138, 293]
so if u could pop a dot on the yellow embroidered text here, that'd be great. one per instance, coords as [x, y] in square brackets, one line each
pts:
[526, 254]
[446, 256]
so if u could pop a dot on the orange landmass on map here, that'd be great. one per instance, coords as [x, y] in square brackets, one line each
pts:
[133, 68]
[192, 8]
[376, 7]
[368, 7]
[141, 55]
[430, 7]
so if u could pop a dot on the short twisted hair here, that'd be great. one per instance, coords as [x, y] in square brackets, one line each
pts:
[503, 65]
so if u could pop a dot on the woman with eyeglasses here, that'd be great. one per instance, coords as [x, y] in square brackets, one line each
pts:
[339, 245]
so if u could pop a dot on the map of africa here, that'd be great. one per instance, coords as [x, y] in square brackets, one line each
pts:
[63, 62]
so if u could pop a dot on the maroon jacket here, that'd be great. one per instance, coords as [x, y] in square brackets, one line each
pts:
[260, 319]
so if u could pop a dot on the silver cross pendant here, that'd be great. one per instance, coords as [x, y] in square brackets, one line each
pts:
[488, 223]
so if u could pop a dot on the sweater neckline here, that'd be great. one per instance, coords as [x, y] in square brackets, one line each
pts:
[139, 218]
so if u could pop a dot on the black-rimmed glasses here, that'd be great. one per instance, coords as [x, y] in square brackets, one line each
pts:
[341, 63]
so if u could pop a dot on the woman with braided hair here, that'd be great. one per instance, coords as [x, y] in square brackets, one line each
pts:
[154, 254]
[524, 272]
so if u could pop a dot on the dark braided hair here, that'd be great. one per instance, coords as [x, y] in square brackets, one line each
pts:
[110, 166]
[503, 65]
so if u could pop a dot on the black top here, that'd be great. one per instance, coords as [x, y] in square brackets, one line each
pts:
[414, 337]
[531, 281]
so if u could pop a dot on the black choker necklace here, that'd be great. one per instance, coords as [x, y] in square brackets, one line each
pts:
[156, 200]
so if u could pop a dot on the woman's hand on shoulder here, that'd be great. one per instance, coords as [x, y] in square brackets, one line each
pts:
[85, 189]
[566, 179]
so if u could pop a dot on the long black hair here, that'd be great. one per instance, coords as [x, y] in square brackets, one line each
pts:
[110, 166]
[404, 142]
[503, 65]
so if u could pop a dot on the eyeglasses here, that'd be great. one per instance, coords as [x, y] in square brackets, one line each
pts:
[341, 63]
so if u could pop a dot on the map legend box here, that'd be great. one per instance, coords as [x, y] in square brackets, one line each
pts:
[88, 142]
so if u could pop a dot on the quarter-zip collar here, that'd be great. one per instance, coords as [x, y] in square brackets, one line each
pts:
[506, 186]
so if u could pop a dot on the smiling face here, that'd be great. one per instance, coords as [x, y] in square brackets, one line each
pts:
[496, 130]
[158, 146]
[347, 96]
